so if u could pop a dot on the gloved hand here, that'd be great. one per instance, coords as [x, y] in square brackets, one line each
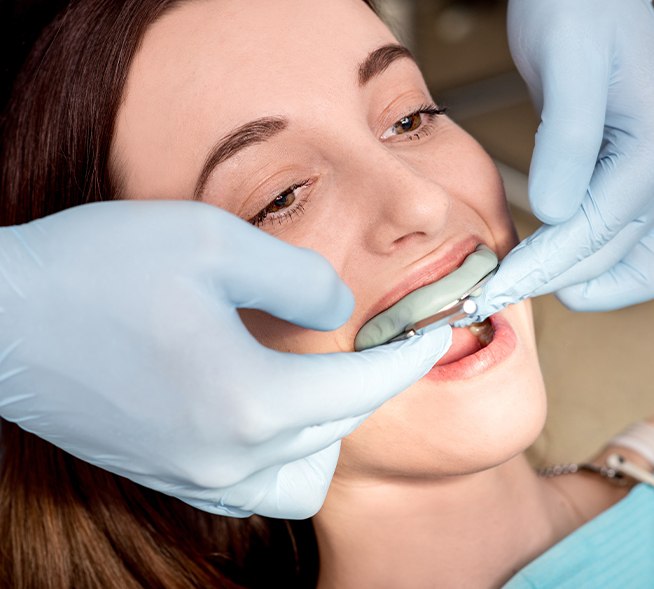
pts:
[120, 343]
[589, 65]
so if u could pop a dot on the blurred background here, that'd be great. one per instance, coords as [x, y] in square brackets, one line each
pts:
[598, 367]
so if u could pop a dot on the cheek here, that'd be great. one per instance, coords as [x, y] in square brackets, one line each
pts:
[484, 193]
[495, 210]
[457, 162]
[285, 337]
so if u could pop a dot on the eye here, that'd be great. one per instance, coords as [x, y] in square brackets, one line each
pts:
[284, 206]
[415, 124]
[407, 124]
[284, 200]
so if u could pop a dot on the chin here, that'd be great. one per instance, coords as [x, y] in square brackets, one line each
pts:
[418, 448]
[450, 427]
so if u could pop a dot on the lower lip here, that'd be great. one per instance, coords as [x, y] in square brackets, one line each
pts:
[502, 346]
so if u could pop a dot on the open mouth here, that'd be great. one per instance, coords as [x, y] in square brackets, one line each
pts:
[476, 349]
[430, 305]
[467, 341]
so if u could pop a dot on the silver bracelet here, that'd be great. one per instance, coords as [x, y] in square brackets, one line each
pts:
[617, 470]
[604, 471]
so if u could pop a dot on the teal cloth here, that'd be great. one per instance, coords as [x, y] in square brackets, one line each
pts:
[613, 550]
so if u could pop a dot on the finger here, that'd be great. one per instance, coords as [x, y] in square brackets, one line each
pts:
[531, 268]
[214, 506]
[602, 260]
[575, 75]
[324, 388]
[301, 486]
[295, 444]
[292, 283]
[629, 282]
[525, 269]
[608, 225]
[295, 490]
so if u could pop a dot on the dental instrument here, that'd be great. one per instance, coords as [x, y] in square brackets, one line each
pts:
[446, 301]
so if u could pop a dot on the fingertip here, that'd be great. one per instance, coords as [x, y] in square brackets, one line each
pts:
[294, 284]
[485, 309]
[574, 299]
[557, 187]
[565, 154]
[334, 301]
[552, 211]
[439, 339]
[424, 350]
[498, 294]
[395, 366]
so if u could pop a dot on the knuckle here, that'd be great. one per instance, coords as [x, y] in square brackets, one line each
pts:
[572, 298]
[603, 223]
[253, 425]
[310, 506]
[205, 475]
[313, 501]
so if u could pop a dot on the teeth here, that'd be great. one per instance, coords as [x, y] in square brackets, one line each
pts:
[483, 331]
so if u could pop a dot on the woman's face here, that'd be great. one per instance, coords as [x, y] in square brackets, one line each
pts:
[342, 156]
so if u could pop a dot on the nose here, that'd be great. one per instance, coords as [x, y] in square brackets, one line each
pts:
[404, 205]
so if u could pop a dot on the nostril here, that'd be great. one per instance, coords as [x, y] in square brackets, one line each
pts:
[409, 237]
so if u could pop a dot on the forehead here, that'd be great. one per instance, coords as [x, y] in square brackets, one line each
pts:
[209, 65]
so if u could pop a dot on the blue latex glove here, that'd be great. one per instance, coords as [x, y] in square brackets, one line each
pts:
[589, 65]
[120, 343]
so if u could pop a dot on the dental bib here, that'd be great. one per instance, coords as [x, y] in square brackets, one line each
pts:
[427, 300]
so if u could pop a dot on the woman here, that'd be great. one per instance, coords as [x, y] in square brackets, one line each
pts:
[307, 119]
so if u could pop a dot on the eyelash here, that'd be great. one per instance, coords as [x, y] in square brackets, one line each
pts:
[425, 128]
[286, 214]
[266, 215]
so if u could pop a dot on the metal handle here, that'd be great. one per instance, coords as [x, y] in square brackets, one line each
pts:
[450, 315]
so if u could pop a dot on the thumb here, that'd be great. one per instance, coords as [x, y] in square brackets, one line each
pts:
[569, 136]
[567, 70]
[295, 284]
[295, 490]
[300, 487]
[350, 384]
[522, 271]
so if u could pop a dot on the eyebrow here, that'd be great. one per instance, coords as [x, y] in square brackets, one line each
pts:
[248, 134]
[380, 59]
[265, 128]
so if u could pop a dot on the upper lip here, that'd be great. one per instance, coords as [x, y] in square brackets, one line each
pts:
[431, 271]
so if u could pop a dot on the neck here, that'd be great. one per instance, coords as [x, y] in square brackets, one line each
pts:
[466, 531]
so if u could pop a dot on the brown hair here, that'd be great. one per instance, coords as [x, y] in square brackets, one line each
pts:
[65, 523]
